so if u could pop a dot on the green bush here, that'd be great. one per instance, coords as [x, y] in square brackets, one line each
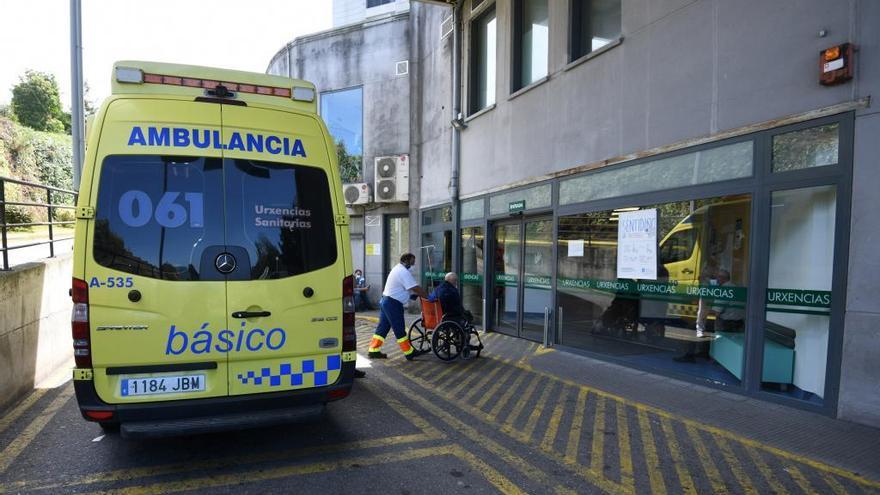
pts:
[33, 156]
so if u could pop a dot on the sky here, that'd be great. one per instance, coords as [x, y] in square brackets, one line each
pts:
[232, 34]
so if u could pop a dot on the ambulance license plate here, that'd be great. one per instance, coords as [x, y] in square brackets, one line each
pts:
[162, 385]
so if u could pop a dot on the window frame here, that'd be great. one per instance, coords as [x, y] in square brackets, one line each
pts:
[321, 96]
[486, 9]
[516, 47]
[575, 34]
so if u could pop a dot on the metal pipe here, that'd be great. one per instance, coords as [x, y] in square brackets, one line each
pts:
[77, 121]
[559, 325]
[546, 326]
[454, 189]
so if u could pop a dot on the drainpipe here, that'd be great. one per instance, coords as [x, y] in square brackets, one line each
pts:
[456, 137]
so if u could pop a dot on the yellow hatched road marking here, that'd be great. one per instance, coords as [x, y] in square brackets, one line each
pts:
[505, 398]
[473, 374]
[832, 483]
[775, 485]
[626, 464]
[799, 478]
[712, 430]
[23, 406]
[684, 478]
[429, 432]
[450, 368]
[523, 399]
[597, 450]
[224, 462]
[574, 434]
[532, 421]
[496, 386]
[655, 475]
[500, 482]
[473, 434]
[715, 479]
[220, 480]
[600, 481]
[555, 418]
[735, 466]
[483, 381]
[15, 448]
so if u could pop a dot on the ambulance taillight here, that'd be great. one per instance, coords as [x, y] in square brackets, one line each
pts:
[82, 348]
[349, 338]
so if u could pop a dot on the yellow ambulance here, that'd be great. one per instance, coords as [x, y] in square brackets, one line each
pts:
[212, 282]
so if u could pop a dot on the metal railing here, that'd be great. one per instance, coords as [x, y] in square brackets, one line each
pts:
[50, 208]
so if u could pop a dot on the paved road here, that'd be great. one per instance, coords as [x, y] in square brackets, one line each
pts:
[488, 425]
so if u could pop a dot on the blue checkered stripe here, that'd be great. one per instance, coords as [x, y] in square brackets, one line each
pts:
[286, 375]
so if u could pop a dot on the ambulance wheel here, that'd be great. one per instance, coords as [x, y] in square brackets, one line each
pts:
[447, 341]
[418, 338]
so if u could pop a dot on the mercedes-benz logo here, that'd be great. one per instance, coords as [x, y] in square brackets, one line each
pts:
[225, 263]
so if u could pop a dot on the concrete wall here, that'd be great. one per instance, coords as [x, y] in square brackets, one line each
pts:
[685, 69]
[860, 371]
[34, 325]
[432, 73]
[365, 54]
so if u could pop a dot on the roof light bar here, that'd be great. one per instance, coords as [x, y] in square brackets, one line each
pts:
[297, 93]
[129, 75]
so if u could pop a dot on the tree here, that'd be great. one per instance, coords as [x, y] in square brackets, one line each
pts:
[36, 102]
[349, 165]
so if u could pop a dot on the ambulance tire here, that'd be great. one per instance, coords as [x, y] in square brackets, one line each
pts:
[418, 337]
[447, 341]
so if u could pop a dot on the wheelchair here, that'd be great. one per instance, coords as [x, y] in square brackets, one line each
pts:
[447, 338]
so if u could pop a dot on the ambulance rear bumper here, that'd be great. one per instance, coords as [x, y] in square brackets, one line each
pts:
[193, 416]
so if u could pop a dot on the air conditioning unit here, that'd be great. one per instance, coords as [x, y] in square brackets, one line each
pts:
[392, 179]
[356, 194]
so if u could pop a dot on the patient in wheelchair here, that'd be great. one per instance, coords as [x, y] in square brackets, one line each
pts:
[450, 300]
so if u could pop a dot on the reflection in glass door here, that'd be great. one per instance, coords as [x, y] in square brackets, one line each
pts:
[522, 273]
[536, 295]
[505, 293]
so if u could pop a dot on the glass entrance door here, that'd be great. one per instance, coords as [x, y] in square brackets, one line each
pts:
[505, 288]
[521, 276]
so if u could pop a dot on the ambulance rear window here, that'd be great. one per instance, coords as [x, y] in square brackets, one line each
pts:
[170, 217]
[157, 214]
[282, 215]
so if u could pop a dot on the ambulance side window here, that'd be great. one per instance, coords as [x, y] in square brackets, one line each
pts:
[156, 214]
[678, 247]
[282, 215]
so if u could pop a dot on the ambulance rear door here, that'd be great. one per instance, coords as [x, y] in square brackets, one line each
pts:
[155, 298]
[284, 294]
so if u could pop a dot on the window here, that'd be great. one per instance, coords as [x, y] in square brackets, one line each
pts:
[531, 41]
[436, 216]
[678, 247]
[471, 279]
[594, 24]
[691, 319]
[732, 161]
[483, 42]
[165, 217]
[281, 215]
[343, 112]
[813, 147]
[376, 3]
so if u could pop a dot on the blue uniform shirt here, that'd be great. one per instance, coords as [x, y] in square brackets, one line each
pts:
[449, 299]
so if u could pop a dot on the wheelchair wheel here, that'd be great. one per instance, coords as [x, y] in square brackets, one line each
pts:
[473, 346]
[419, 338]
[447, 341]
